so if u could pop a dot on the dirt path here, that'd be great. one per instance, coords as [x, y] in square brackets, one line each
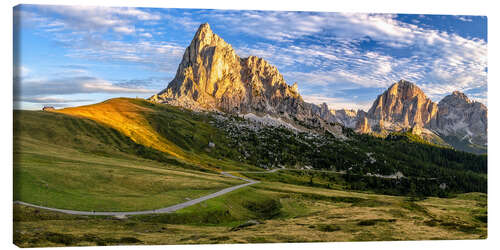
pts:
[154, 211]
[178, 206]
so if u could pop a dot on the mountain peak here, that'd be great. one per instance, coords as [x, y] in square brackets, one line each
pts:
[203, 31]
[460, 95]
[469, 118]
[211, 76]
[405, 89]
[204, 27]
[404, 82]
[403, 103]
[206, 37]
[456, 98]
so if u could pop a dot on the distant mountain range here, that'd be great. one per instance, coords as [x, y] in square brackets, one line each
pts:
[211, 76]
[456, 119]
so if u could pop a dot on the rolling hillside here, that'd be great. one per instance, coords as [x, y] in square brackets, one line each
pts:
[125, 129]
[179, 133]
[72, 162]
[129, 154]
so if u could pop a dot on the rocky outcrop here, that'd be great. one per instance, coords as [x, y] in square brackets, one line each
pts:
[348, 117]
[362, 126]
[211, 76]
[403, 105]
[459, 116]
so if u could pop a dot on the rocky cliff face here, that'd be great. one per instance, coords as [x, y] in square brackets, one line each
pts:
[348, 117]
[362, 125]
[208, 75]
[461, 117]
[211, 76]
[403, 105]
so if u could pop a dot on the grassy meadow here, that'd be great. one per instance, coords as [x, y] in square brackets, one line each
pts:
[128, 154]
[253, 215]
[73, 163]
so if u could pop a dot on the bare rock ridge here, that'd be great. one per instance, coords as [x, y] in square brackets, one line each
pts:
[459, 116]
[403, 105]
[362, 125]
[211, 76]
[348, 117]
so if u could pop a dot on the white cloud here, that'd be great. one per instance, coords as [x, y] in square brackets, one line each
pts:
[107, 87]
[86, 19]
[439, 62]
[464, 19]
[287, 26]
[24, 88]
[84, 31]
[21, 71]
[124, 29]
[160, 56]
[337, 103]
[48, 99]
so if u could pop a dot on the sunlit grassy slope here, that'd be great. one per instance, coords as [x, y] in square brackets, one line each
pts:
[76, 163]
[128, 118]
[182, 134]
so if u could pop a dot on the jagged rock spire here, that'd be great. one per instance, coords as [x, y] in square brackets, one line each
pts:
[404, 103]
[461, 117]
[212, 76]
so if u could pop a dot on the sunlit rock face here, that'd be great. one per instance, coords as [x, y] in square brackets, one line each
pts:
[362, 125]
[348, 117]
[208, 75]
[211, 76]
[403, 105]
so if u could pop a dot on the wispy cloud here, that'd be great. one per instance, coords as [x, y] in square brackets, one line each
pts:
[51, 100]
[159, 56]
[326, 53]
[71, 85]
[464, 19]
[89, 19]
[337, 103]
[439, 61]
[95, 33]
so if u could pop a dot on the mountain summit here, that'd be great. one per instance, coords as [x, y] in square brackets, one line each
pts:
[208, 75]
[462, 118]
[457, 120]
[211, 76]
[403, 104]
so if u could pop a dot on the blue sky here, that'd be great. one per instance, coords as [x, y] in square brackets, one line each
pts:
[75, 55]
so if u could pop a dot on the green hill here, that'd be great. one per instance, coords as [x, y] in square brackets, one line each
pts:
[129, 154]
[75, 163]
[107, 150]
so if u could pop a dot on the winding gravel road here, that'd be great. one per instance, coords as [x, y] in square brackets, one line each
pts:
[180, 205]
[160, 210]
